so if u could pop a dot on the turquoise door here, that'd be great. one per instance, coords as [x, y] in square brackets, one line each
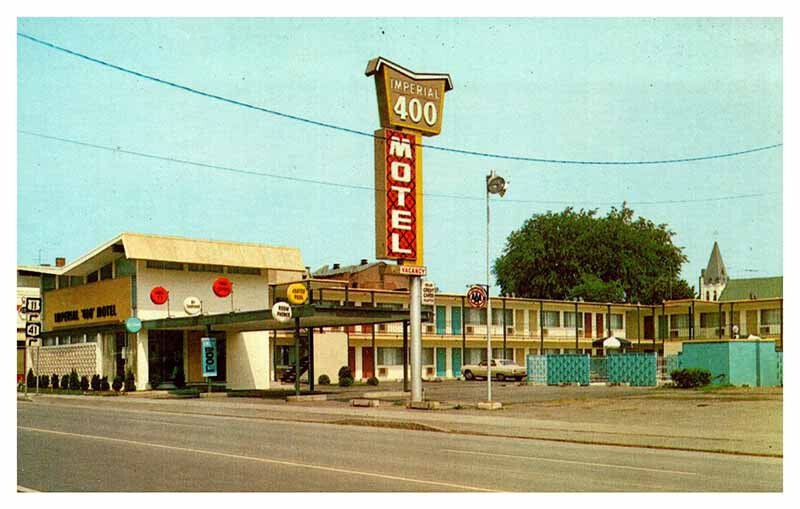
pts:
[441, 319]
[441, 361]
[456, 320]
[456, 361]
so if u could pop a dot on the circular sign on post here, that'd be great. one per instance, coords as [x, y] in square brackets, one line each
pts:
[282, 311]
[222, 287]
[133, 325]
[297, 293]
[192, 305]
[159, 295]
[477, 296]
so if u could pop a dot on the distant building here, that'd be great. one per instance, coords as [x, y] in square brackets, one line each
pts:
[714, 277]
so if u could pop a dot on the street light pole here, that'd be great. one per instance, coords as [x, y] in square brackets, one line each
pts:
[495, 184]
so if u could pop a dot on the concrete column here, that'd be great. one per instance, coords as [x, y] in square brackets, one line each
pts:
[98, 359]
[415, 310]
[142, 368]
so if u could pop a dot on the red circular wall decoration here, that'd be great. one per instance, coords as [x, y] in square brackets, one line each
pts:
[159, 295]
[222, 287]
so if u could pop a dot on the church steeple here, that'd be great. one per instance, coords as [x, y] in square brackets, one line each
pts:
[715, 272]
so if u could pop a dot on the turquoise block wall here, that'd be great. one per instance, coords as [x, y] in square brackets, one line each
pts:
[753, 363]
[567, 369]
[780, 368]
[711, 356]
[537, 369]
[637, 369]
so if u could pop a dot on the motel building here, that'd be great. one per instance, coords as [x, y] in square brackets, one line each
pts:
[356, 316]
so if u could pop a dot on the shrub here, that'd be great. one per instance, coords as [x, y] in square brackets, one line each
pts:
[691, 377]
[324, 380]
[65, 382]
[74, 381]
[117, 385]
[44, 381]
[344, 372]
[54, 381]
[84, 383]
[31, 379]
[372, 380]
[104, 384]
[95, 382]
[345, 381]
[130, 384]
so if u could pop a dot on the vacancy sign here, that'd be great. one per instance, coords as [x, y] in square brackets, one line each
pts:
[398, 195]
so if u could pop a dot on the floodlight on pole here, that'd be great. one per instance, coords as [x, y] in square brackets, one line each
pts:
[495, 184]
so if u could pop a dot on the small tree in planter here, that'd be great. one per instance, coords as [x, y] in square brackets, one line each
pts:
[104, 384]
[54, 381]
[31, 379]
[117, 385]
[95, 382]
[74, 381]
[65, 382]
[130, 384]
[372, 380]
[84, 383]
[44, 381]
[324, 380]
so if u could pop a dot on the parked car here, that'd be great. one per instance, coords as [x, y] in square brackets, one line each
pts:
[502, 369]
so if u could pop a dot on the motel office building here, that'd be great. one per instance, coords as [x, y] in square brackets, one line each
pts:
[118, 276]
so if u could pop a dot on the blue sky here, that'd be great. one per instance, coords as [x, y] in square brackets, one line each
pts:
[578, 89]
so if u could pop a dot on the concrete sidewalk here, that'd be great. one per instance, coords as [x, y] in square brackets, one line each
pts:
[491, 424]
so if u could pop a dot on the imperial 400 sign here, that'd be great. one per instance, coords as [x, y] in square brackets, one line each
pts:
[398, 195]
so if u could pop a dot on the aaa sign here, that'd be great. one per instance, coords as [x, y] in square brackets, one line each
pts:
[398, 195]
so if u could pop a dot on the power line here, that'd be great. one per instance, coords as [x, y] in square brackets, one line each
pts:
[371, 135]
[255, 173]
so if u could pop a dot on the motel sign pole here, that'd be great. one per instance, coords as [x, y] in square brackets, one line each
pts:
[415, 310]
[495, 184]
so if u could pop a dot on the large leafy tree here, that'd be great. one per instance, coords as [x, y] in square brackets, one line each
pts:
[571, 254]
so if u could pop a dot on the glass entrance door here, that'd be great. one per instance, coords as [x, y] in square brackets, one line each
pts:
[165, 355]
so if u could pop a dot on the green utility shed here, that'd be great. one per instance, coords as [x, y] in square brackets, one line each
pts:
[738, 362]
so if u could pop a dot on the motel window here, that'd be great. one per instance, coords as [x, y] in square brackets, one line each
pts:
[49, 341]
[711, 320]
[569, 319]
[205, 267]
[551, 319]
[48, 282]
[427, 356]
[427, 311]
[93, 277]
[497, 353]
[474, 316]
[770, 317]
[244, 270]
[615, 321]
[679, 321]
[75, 280]
[474, 355]
[63, 281]
[90, 338]
[106, 272]
[125, 267]
[497, 316]
[390, 356]
[158, 264]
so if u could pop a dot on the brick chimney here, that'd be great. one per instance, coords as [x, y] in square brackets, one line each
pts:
[60, 261]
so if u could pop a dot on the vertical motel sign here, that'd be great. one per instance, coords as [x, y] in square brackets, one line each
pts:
[410, 106]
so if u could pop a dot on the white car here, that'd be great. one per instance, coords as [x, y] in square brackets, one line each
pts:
[502, 369]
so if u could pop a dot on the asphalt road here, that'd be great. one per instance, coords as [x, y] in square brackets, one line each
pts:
[63, 447]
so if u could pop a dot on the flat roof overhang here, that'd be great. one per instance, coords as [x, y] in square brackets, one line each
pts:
[311, 315]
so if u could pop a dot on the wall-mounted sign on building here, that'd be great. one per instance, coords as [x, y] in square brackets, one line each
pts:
[108, 302]
[133, 325]
[192, 305]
